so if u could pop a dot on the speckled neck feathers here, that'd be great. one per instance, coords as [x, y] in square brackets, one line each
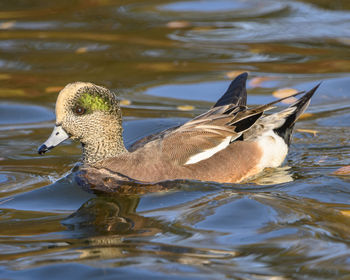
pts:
[105, 143]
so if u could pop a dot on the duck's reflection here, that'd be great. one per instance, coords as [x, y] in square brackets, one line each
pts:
[119, 229]
[110, 227]
[108, 216]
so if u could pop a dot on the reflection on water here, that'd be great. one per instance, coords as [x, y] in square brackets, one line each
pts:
[169, 61]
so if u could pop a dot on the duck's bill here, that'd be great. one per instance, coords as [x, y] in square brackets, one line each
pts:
[57, 136]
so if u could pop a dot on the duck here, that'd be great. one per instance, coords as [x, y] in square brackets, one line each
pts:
[229, 143]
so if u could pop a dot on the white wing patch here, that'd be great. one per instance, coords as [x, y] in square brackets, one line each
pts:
[210, 152]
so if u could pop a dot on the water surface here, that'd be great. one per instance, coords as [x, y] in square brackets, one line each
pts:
[169, 61]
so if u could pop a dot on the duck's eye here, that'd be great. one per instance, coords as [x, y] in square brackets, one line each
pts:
[79, 110]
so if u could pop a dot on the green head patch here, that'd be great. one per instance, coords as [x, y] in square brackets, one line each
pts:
[93, 102]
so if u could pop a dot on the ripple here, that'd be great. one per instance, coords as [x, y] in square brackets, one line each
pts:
[30, 46]
[11, 181]
[206, 9]
[36, 8]
[44, 25]
[205, 91]
[206, 6]
[236, 8]
[11, 113]
[302, 22]
[200, 91]
[62, 196]
[13, 65]
[265, 32]
[3, 178]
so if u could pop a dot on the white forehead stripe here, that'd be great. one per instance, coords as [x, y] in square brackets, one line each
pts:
[210, 152]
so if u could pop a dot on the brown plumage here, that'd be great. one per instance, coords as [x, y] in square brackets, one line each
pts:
[229, 143]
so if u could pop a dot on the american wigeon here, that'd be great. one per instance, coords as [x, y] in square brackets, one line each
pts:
[228, 144]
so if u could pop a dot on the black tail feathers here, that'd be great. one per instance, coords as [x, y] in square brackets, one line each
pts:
[236, 92]
[286, 130]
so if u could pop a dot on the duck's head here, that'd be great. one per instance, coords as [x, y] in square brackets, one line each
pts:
[87, 113]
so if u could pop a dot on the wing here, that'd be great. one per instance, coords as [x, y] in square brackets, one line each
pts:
[201, 138]
[211, 132]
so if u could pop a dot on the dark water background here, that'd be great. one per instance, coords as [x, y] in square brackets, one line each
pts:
[292, 223]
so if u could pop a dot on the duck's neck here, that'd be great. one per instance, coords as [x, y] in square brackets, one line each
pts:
[103, 147]
[101, 150]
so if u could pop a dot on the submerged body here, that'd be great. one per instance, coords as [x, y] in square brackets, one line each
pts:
[228, 144]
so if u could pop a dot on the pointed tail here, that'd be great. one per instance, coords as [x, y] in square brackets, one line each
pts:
[236, 92]
[286, 130]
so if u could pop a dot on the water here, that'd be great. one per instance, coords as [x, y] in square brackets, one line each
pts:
[291, 223]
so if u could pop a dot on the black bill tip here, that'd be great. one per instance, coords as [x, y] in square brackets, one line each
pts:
[43, 149]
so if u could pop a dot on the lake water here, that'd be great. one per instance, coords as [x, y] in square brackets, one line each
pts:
[170, 61]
